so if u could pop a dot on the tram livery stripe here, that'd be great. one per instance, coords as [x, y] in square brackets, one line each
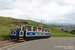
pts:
[37, 34]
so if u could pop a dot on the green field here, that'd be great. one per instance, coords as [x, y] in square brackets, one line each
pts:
[5, 27]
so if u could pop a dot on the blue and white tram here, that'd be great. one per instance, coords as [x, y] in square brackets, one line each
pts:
[25, 31]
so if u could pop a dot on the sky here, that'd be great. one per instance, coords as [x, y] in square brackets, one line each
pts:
[50, 11]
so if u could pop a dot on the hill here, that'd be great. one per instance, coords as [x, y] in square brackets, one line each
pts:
[5, 27]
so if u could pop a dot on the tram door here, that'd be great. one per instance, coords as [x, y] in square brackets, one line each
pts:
[21, 33]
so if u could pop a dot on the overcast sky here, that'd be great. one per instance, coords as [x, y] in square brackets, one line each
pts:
[52, 11]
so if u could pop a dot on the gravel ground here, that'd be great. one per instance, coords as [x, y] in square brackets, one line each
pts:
[7, 42]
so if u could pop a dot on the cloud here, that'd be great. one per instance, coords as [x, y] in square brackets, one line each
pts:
[10, 13]
[70, 18]
[52, 11]
[5, 4]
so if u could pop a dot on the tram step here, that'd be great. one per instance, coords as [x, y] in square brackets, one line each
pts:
[21, 38]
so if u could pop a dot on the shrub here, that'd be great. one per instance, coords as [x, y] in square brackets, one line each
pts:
[72, 32]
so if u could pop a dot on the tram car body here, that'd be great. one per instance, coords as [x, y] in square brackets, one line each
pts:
[24, 31]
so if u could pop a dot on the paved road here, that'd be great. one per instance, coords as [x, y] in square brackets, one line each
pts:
[46, 44]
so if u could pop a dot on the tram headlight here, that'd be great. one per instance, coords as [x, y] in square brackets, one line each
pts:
[21, 34]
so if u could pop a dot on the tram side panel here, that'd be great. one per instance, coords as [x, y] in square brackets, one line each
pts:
[16, 34]
[37, 34]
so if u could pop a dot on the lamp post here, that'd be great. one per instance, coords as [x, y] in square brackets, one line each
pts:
[41, 22]
[29, 20]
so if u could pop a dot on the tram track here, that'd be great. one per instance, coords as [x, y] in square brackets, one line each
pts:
[7, 42]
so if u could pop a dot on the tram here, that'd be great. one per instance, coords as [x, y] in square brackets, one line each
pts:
[25, 31]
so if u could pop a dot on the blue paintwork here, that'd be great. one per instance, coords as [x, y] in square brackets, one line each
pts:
[37, 33]
[17, 31]
[14, 32]
[14, 37]
[29, 34]
[21, 33]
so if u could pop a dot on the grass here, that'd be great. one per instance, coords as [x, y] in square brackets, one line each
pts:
[5, 27]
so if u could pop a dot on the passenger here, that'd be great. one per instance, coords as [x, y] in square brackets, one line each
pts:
[35, 29]
[26, 29]
[48, 30]
[43, 31]
[29, 29]
[38, 30]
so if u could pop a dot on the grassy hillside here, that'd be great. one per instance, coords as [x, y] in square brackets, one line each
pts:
[5, 27]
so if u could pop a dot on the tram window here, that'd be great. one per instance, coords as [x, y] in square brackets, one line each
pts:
[28, 28]
[48, 30]
[18, 27]
[43, 30]
[23, 27]
[34, 28]
[39, 30]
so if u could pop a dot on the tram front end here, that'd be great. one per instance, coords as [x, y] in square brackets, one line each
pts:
[14, 34]
[19, 32]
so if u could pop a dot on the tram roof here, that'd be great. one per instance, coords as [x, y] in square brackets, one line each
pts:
[23, 23]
